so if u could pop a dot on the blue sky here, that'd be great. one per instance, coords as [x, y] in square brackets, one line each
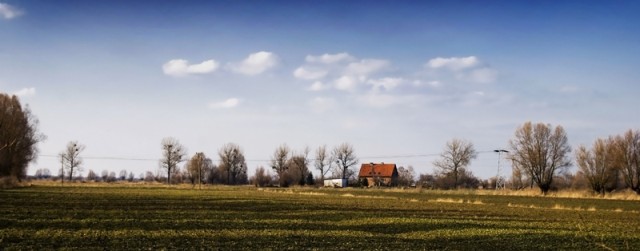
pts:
[391, 78]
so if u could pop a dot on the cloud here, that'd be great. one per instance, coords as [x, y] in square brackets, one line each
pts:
[228, 103]
[25, 92]
[318, 86]
[309, 74]
[255, 63]
[329, 58]
[321, 104]
[181, 67]
[346, 83]
[453, 63]
[386, 83]
[9, 12]
[366, 67]
[481, 75]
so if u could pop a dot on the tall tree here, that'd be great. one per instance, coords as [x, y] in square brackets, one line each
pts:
[322, 161]
[280, 164]
[541, 151]
[172, 154]
[345, 157]
[597, 163]
[406, 176]
[197, 166]
[18, 137]
[71, 159]
[232, 162]
[628, 158]
[457, 154]
[300, 163]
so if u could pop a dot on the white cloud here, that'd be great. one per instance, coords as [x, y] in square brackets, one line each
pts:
[321, 104]
[329, 58]
[379, 100]
[309, 74]
[255, 63]
[9, 12]
[482, 75]
[181, 67]
[228, 103]
[366, 67]
[346, 83]
[386, 83]
[453, 63]
[25, 92]
[318, 86]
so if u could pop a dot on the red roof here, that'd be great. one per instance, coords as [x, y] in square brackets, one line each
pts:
[381, 170]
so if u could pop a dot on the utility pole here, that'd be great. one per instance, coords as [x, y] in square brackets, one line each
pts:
[499, 179]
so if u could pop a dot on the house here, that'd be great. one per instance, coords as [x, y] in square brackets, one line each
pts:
[378, 174]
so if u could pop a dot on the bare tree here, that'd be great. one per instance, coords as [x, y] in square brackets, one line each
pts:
[261, 178]
[323, 161]
[406, 176]
[232, 162]
[72, 162]
[627, 154]
[92, 175]
[122, 175]
[457, 154]
[597, 163]
[541, 151]
[18, 137]
[279, 163]
[300, 163]
[172, 154]
[197, 166]
[345, 157]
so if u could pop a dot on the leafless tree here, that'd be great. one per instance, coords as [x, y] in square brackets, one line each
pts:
[123, 175]
[628, 158]
[280, 164]
[18, 137]
[261, 178]
[72, 162]
[541, 151]
[345, 157]
[406, 176]
[597, 163]
[232, 162]
[92, 175]
[131, 177]
[300, 163]
[323, 161]
[197, 166]
[172, 154]
[457, 154]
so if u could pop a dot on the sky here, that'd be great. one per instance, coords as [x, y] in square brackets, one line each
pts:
[396, 79]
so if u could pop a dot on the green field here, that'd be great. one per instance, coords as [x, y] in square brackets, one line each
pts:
[119, 217]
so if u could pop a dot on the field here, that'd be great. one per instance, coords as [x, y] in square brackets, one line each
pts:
[120, 217]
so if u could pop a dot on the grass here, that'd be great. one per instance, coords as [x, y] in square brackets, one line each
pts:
[156, 217]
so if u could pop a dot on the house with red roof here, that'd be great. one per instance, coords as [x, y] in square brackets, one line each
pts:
[378, 174]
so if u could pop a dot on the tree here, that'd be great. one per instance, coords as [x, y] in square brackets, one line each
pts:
[92, 175]
[18, 137]
[131, 177]
[279, 163]
[323, 162]
[345, 157]
[71, 159]
[406, 176]
[541, 151]
[627, 154]
[261, 177]
[123, 175]
[197, 166]
[232, 162]
[457, 154]
[597, 163]
[172, 154]
[299, 163]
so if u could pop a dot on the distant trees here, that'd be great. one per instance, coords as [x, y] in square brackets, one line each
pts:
[43, 173]
[18, 137]
[280, 163]
[598, 163]
[406, 176]
[233, 163]
[71, 159]
[627, 154]
[457, 154]
[298, 166]
[261, 178]
[540, 151]
[172, 154]
[345, 157]
[197, 167]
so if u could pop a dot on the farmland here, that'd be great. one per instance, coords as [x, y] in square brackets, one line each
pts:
[220, 217]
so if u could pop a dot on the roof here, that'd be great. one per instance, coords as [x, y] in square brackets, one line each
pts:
[381, 170]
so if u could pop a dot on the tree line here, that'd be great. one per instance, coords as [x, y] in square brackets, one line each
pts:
[539, 153]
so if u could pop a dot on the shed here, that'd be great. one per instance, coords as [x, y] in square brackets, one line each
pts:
[335, 183]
